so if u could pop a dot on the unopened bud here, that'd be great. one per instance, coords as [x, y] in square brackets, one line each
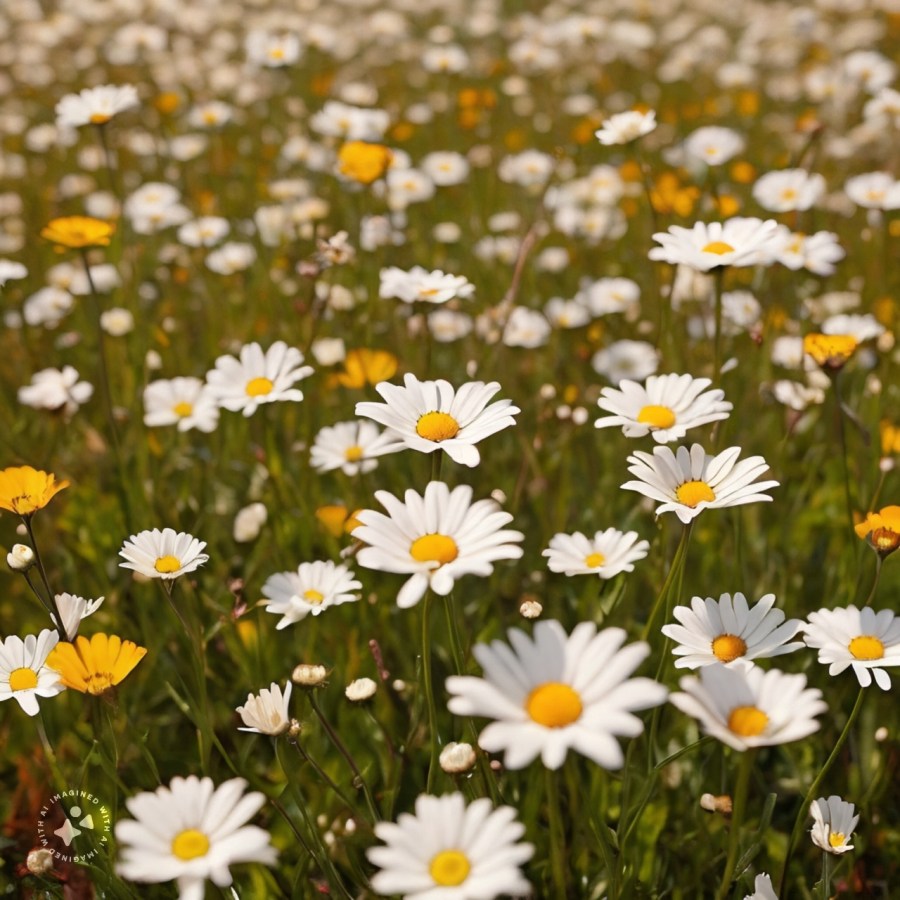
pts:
[530, 609]
[457, 758]
[716, 804]
[39, 862]
[360, 690]
[20, 558]
[307, 675]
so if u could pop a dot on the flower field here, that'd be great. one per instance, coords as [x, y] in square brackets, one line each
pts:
[449, 449]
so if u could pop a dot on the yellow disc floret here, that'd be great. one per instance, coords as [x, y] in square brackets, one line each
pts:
[594, 560]
[720, 248]
[166, 564]
[656, 416]
[728, 647]
[189, 844]
[693, 492]
[554, 705]
[439, 548]
[437, 426]
[22, 679]
[259, 387]
[449, 868]
[866, 647]
[747, 721]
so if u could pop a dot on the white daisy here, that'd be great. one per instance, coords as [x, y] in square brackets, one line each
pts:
[833, 824]
[624, 127]
[95, 106]
[862, 639]
[450, 851]
[691, 481]
[267, 711]
[191, 831]
[73, 609]
[666, 406]
[817, 253]
[727, 629]
[606, 554]
[626, 359]
[420, 285]
[163, 554]
[436, 538]
[56, 389]
[746, 707]
[713, 144]
[312, 588]
[23, 675]
[351, 447]
[788, 189]
[874, 190]
[183, 401]
[257, 377]
[554, 692]
[706, 246]
[10, 270]
[433, 415]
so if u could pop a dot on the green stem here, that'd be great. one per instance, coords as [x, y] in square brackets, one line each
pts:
[558, 851]
[745, 768]
[842, 435]
[718, 278]
[878, 561]
[826, 875]
[51, 597]
[674, 569]
[433, 762]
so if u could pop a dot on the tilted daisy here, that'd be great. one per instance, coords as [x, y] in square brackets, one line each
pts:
[420, 285]
[706, 246]
[95, 106]
[862, 639]
[191, 831]
[352, 447]
[312, 588]
[665, 406]
[554, 692]
[433, 415]
[692, 480]
[24, 673]
[450, 851]
[267, 712]
[163, 554]
[95, 665]
[258, 377]
[745, 707]
[606, 554]
[73, 609]
[184, 401]
[436, 538]
[727, 629]
[833, 824]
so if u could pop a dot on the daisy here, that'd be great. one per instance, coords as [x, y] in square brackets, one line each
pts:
[267, 712]
[833, 824]
[183, 401]
[451, 851]
[10, 270]
[745, 707]
[436, 538]
[191, 831]
[95, 106]
[24, 673]
[57, 390]
[73, 609]
[554, 692]
[874, 190]
[817, 253]
[607, 554]
[624, 127]
[432, 415]
[788, 190]
[258, 377]
[713, 144]
[665, 406]
[95, 665]
[692, 480]
[163, 554]
[312, 588]
[881, 529]
[351, 447]
[862, 639]
[706, 246]
[727, 629]
[423, 286]
[626, 359]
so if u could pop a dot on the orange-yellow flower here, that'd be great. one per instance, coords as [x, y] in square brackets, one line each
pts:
[830, 351]
[881, 530]
[363, 162]
[77, 232]
[24, 490]
[95, 665]
[362, 367]
[890, 439]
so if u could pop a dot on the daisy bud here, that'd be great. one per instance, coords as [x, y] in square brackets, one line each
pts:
[457, 758]
[39, 862]
[20, 558]
[295, 729]
[307, 675]
[716, 804]
[530, 609]
[360, 690]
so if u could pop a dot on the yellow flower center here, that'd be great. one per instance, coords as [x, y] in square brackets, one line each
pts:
[189, 844]
[22, 679]
[720, 248]
[439, 548]
[837, 839]
[594, 560]
[428, 292]
[656, 416]
[259, 387]
[884, 540]
[166, 564]
[554, 705]
[313, 596]
[747, 721]
[183, 408]
[693, 492]
[437, 426]
[354, 453]
[99, 682]
[866, 647]
[276, 53]
[728, 647]
[449, 868]
[788, 194]
[99, 118]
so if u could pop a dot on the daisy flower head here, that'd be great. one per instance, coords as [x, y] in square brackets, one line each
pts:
[189, 831]
[24, 490]
[625, 127]
[862, 639]
[882, 530]
[433, 415]
[95, 665]
[95, 106]
[311, 589]
[626, 359]
[607, 554]
[352, 447]
[59, 390]
[183, 401]
[728, 629]
[163, 554]
[73, 609]
[257, 377]
[746, 707]
[24, 673]
[423, 286]
[665, 406]
[267, 711]
[435, 538]
[554, 692]
[741, 241]
[788, 190]
[450, 851]
[689, 481]
[713, 144]
[833, 824]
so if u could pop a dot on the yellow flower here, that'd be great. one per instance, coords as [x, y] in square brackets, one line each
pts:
[95, 666]
[830, 351]
[881, 530]
[363, 162]
[24, 490]
[76, 232]
[362, 367]
[890, 439]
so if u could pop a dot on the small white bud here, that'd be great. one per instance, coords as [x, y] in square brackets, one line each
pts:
[457, 758]
[530, 609]
[20, 558]
[307, 675]
[39, 862]
[360, 690]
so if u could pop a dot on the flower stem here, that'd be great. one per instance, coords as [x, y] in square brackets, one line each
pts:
[429, 691]
[718, 278]
[826, 875]
[51, 597]
[558, 851]
[878, 561]
[674, 569]
[745, 768]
